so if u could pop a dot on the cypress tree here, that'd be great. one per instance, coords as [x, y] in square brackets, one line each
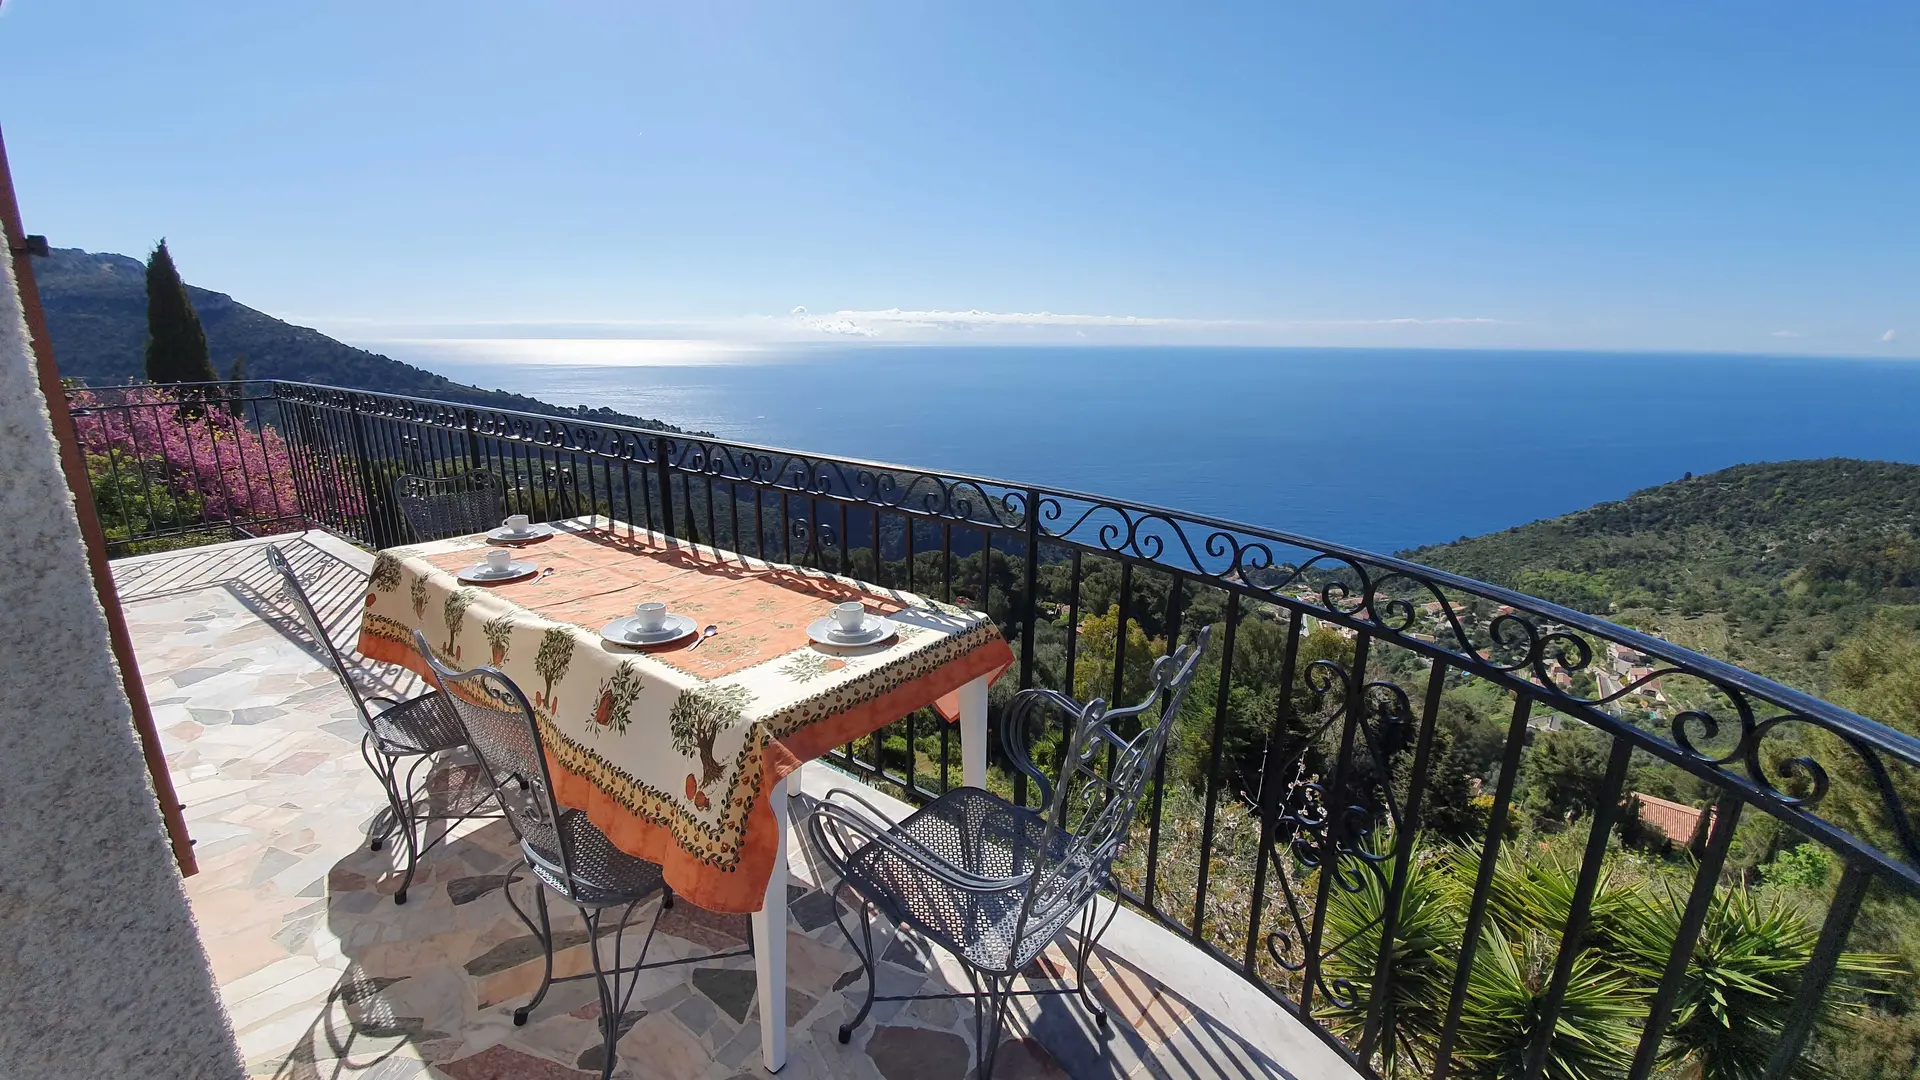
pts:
[176, 345]
[236, 385]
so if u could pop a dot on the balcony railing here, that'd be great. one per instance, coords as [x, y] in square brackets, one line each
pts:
[1338, 825]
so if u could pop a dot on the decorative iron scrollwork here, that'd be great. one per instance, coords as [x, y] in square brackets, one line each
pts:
[813, 538]
[1335, 826]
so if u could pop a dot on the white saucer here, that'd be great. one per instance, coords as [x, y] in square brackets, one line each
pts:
[621, 632]
[479, 573]
[827, 632]
[507, 536]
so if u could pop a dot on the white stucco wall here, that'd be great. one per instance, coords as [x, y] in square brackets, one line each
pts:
[101, 971]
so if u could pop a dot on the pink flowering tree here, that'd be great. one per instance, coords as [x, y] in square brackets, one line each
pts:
[162, 461]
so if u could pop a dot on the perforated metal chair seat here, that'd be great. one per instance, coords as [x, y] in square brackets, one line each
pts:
[984, 835]
[427, 724]
[603, 875]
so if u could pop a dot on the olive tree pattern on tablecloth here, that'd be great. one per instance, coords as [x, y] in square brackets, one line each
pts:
[455, 610]
[614, 706]
[556, 652]
[698, 717]
[499, 631]
[385, 576]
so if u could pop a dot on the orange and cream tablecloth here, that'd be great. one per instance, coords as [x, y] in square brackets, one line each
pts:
[670, 749]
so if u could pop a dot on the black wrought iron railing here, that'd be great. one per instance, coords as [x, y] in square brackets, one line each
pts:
[1456, 829]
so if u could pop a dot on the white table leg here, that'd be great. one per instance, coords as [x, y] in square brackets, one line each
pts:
[973, 733]
[770, 944]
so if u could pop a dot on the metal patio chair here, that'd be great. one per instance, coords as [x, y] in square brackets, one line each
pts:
[564, 851]
[992, 882]
[437, 507]
[398, 739]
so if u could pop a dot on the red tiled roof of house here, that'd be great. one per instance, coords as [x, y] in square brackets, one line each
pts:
[1677, 821]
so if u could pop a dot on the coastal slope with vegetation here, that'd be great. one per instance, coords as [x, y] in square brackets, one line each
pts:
[96, 304]
[1770, 566]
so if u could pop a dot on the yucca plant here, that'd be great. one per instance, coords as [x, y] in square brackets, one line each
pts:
[1425, 942]
[1593, 1031]
[1533, 893]
[1740, 984]
[1528, 899]
[1731, 1009]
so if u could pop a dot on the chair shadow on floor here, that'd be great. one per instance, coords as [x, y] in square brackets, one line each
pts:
[372, 1023]
[436, 980]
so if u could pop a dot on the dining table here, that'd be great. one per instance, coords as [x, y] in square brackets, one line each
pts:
[682, 752]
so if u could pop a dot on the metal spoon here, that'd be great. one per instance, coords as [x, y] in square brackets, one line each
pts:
[704, 635]
[546, 573]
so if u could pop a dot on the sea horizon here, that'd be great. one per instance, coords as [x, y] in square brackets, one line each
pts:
[1382, 449]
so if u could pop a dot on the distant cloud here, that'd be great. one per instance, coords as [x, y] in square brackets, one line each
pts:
[934, 323]
[1447, 320]
[975, 318]
[1888, 336]
[1786, 333]
[832, 324]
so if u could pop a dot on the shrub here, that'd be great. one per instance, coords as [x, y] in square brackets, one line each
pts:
[1805, 866]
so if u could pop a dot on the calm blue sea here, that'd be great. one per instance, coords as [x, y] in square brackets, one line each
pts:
[1384, 449]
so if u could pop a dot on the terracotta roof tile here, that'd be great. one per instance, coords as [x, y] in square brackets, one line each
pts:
[1676, 821]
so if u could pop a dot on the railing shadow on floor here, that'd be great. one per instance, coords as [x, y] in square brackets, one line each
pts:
[336, 586]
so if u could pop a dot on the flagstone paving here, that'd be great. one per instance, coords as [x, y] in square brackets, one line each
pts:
[325, 976]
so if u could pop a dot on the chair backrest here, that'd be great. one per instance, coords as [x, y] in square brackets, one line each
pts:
[504, 734]
[437, 507]
[1102, 780]
[296, 596]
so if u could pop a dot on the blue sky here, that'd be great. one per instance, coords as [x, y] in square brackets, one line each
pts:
[1734, 177]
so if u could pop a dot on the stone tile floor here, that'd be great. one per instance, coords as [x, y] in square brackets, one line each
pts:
[324, 976]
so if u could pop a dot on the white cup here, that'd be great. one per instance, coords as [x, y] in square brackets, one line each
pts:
[517, 523]
[849, 616]
[499, 559]
[650, 617]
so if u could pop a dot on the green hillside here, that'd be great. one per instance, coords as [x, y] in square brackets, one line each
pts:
[1768, 566]
[97, 316]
